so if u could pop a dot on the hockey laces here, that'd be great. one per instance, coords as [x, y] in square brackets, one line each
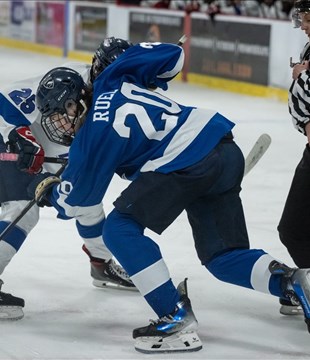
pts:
[168, 319]
[118, 270]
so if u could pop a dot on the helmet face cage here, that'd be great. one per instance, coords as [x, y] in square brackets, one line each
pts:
[108, 51]
[300, 7]
[60, 128]
[60, 100]
[55, 133]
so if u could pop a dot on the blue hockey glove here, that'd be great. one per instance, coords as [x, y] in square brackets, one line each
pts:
[41, 186]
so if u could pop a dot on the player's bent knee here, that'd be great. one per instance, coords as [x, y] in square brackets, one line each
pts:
[118, 228]
[27, 222]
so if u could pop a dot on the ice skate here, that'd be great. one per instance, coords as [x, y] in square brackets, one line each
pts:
[175, 332]
[108, 274]
[287, 308]
[298, 286]
[11, 307]
[296, 283]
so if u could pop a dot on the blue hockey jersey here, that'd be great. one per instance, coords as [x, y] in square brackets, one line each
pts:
[131, 129]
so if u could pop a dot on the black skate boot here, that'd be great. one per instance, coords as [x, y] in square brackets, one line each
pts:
[296, 286]
[175, 332]
[108, 274]
[10, 306]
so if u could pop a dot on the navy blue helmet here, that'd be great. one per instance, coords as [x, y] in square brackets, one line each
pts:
[108, 51]
[62, 98]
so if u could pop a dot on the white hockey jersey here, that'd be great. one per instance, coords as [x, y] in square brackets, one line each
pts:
[17, 108]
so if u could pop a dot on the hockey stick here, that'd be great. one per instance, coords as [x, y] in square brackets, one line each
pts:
[182, 40]
[27, 208]
[14, 157]
[258, 150]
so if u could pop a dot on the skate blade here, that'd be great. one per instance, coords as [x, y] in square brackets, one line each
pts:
[291, 310]
[11, 313]
[109, 285]
[180, 342]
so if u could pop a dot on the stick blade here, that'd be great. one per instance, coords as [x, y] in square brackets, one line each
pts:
[257, 151]
[182, 40]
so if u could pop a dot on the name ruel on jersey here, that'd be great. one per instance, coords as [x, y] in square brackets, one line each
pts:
[102, 104]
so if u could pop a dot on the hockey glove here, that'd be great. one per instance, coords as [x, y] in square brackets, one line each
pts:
[31, 154]
[40, 188]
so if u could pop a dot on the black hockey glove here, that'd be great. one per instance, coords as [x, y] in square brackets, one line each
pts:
[40, 188]
[31, 153]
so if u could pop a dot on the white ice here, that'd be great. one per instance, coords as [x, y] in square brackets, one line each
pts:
[67, 318]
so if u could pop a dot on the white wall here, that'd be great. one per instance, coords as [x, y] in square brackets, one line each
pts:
[286, 42]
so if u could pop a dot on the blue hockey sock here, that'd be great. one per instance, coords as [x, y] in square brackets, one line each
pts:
[247, 268]
[140, 256]
[167, 292]
[15, 237]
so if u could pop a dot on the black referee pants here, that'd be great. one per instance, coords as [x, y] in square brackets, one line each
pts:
[294, 225]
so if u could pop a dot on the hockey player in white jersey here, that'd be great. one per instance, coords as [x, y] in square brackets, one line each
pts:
[21, 132]
[178, 158]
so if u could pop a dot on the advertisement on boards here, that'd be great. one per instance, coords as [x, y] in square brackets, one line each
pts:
[50, 24]
[4, 18]
[22, 18]
[231, 50]
[151, 27]
[90, 27]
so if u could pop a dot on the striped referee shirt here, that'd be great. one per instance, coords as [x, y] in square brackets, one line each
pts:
[299, 95]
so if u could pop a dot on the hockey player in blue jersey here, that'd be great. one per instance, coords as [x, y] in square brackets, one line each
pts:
[21, 130]
[177, 158]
